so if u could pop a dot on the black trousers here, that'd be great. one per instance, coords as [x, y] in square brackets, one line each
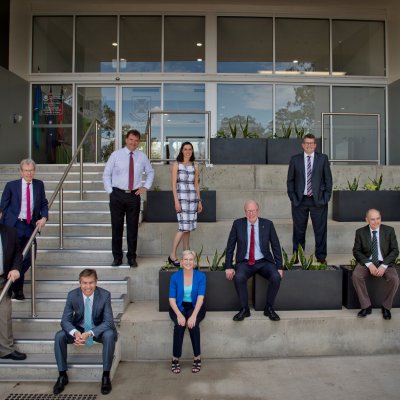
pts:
[244, 272]
[122, 204]
[319, 219]
[179, 331]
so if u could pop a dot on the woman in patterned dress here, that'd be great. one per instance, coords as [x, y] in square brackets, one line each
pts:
[186, 191]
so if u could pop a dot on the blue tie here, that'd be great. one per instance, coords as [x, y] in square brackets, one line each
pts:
[87, 323]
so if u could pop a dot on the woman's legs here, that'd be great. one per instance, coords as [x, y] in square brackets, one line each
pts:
[184, 236]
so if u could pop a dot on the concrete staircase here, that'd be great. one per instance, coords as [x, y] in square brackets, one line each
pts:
[145, 334]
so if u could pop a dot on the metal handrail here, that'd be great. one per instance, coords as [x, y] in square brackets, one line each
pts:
[36, 230]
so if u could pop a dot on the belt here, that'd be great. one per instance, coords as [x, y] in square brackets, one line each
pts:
[124, 191]
[22, 220]
[257, 261]
[306, 195]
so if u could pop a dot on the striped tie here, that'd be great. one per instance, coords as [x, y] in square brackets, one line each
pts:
[309, 173]
[375, 257]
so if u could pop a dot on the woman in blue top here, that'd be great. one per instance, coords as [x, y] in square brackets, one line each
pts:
[187, 288]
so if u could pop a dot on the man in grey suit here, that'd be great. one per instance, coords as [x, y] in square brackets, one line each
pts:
[87, 316]
[309, 187]
[375, 250]
[254, 238]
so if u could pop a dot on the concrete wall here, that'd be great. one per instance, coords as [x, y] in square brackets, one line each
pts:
[14, 99]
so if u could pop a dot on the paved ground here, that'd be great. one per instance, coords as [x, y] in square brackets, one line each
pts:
[321, 378]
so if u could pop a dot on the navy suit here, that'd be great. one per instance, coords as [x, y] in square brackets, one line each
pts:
[73, 318]
[11, 204]
[267, 267]
[315, 206]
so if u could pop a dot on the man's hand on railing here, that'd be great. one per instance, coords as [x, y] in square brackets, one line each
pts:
[41, 223]
[140, 191]
[13, 275]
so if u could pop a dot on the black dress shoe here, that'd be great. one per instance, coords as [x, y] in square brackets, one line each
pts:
[386, 313]
[271, 314]
[15, 355]
[19, 295]
[364, 312]
[62, 381]
[242, 314]
[321, 260]
[116, 263]
[175, 263]
[132, 262]
[105, 385]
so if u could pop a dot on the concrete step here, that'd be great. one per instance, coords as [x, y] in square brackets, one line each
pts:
[146, 334]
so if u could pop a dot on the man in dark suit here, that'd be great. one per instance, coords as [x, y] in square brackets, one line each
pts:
[254, 238]
[10, 265]
[16, 212]
[375, 250]
[309, 187]
[87, 316]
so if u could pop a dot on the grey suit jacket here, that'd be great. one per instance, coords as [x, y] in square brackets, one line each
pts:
[387, 242]
[102, 315]
[267, 237]
[321, 179]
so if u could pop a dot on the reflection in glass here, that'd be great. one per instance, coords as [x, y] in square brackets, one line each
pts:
[358, 47]
[52, 124]
[302, 45]
[140, 38]
[184, 44]
[241, 104]
[96, 103]
[52, 44]
[244, 45]
[95, 49]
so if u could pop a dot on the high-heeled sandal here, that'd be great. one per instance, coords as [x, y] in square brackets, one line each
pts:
[196, 366]
[175, 263]
[175, 366]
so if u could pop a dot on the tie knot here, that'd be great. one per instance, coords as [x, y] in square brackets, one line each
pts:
[374, 233]
[131, 153]
[28, 183]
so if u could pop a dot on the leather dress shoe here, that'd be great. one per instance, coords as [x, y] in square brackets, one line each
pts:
[105, 385]
[15, 355]
[62, 381]
[271, 314]
[386, 313]
[19, 295]
[321, 260]
[132, 262]
[364, 312]
[242, 314]
[116, 262]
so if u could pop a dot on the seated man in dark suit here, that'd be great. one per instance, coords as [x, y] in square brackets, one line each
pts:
[253, 238]
[87, 316]
[10, 265]
[375, 250]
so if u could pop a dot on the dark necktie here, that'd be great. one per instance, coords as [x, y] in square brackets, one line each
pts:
[309, 173]
[375, 257]
[252, 259]
[28, 204]
[130, 185]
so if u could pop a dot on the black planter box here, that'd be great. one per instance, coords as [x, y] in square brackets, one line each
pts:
[238, 151]
[303, 290]
[351, 206]
[159, 206]
[220, 293]
[376, 290]
[280, 151]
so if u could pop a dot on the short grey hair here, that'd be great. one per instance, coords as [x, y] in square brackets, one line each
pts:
[27, 161]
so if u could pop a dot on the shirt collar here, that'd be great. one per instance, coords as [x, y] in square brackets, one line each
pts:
[372, 230]
[311, 155]
[255, 223]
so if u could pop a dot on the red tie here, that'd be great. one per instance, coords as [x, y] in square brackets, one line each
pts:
[28, 204]
[130, 185]
[252, 259]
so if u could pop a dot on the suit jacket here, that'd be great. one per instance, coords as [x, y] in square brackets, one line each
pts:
[102, 315]
[362, 249]
[11, 202]
[12, 256]
[321, 179]
[268, 239]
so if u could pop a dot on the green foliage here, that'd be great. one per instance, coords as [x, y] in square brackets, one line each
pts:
[233, 130]
[250, 128]
[353, 186]
[375, 183]
[156, 188]
[300, 132]
[286, 131]
[310, 263]
[245, 130]
[168, 266]
[198, 257]
[214, 265]
[288, 263]
[221, 134]
[353, 263]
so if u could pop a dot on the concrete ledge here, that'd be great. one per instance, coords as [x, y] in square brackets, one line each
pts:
[146, 334]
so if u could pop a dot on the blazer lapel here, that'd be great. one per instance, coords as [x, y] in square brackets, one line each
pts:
[95, 302]
[19, 194]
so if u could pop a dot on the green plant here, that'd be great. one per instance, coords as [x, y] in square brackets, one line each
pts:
[353, 186]
[221, 134]
[245, 130]
[168, 266]
[156, 188]
[288, 263]
[375, 183]
[300, 132]
[286, 131]
[233, 129]
[198, 257]
[309, 263]
[353, 263]
[214, 265]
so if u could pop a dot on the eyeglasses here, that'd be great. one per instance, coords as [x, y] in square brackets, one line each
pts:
[309, 143]
[251, 211]
[31, 171]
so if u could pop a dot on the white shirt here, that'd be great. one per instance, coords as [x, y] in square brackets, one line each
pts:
[305, 168]
[116, 171]
[22, 213]
[380, 258]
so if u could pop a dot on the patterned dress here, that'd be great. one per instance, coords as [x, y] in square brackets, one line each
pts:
[187, 196]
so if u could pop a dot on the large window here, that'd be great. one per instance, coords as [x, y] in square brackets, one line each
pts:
[244, 45]
[358, 47]
[302, 45]
[52, 44]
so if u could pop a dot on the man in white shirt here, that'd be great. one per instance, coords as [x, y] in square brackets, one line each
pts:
[122, 179]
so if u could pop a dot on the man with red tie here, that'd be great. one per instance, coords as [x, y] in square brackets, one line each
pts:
[24, 206]
[122, 179]
[254, 238]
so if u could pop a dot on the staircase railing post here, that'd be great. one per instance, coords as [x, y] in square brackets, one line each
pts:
[61, 218]
[81, 173]
[33, 279]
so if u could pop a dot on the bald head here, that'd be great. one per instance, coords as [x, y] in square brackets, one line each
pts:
[373, 218]
[251, 210]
